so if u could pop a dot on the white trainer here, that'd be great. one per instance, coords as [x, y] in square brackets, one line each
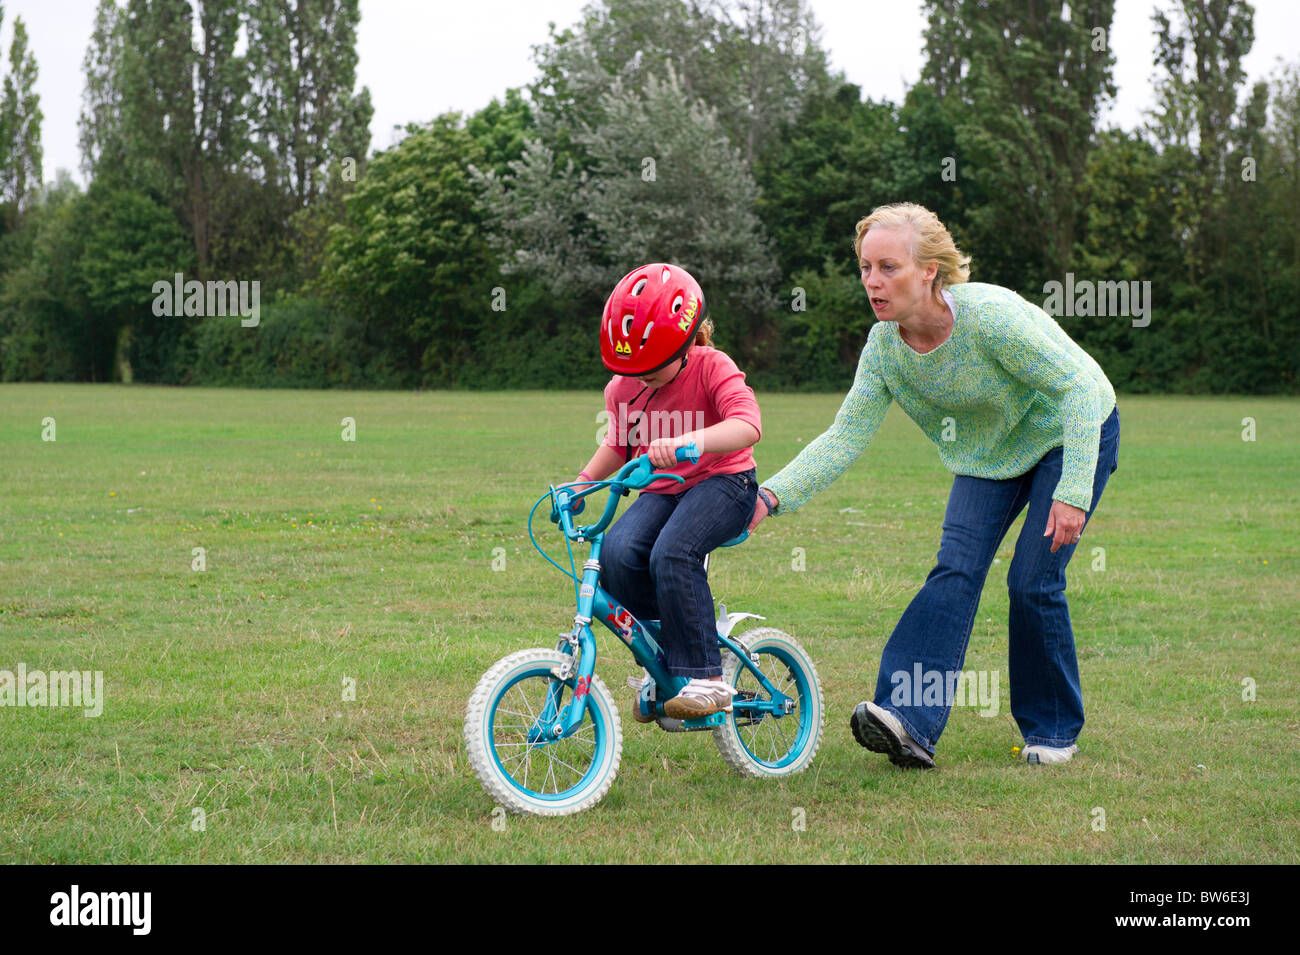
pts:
[700, 698]
[1049, 755]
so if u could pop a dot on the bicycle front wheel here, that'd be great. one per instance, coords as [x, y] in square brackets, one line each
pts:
[509, 725]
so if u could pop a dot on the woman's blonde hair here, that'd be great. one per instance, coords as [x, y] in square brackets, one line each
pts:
[931, 241]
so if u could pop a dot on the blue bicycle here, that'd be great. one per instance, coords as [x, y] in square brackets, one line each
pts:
[541, 728]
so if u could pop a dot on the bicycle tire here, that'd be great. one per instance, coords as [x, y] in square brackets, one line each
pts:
[501, 722]
[773, 746]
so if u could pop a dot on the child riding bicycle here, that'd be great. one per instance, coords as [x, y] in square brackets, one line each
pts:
[670, 388]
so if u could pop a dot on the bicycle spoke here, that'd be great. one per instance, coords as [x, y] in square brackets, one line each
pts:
[573, 769]
[532, 707]
[768, 737]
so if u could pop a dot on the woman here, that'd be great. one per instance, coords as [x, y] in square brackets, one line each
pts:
[1023, 417]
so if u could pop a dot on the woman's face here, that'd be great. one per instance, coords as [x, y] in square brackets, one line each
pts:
[896, 285]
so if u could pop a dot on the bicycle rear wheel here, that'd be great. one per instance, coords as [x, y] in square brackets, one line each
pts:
[772, 744]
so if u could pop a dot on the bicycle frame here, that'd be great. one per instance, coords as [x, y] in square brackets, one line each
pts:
[595, 603]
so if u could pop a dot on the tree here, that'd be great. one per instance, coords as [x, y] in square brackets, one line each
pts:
[310, 133]
[130, 242]
[539, 224]
[251, 151]
[1199, 48]
[669, 186]
[99, 125]
[303, 56]
[1031, 76]
[772, 56]
[1279, 210]
[501, 130]
[1283, 137]
[181, 127]
[842, 158]
[665, 184]
[20, 123]
[753, 61]
[947, 47]
[827, 170]
[411, 260]
[1126, 235]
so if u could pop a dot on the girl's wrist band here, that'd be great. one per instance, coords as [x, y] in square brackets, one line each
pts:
[766, 495]
[584, 474]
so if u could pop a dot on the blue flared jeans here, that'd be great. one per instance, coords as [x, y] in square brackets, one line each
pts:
[1046, 699]
[652, 563]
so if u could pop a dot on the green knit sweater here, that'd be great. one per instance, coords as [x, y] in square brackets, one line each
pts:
[1006, 387]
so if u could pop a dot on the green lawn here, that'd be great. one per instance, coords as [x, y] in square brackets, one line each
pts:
[371, 561]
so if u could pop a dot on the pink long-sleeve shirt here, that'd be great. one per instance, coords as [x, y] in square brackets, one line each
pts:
[710, 389]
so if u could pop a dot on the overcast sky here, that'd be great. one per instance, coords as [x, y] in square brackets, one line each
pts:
[424, 57]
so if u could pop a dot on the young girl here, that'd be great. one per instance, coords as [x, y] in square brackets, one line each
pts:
[670, 388]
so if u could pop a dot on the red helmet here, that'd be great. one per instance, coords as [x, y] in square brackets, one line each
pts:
[650, 319]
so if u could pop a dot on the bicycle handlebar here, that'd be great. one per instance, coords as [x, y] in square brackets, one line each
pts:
[633, 476]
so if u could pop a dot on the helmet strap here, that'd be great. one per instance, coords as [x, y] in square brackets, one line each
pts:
[627, 448]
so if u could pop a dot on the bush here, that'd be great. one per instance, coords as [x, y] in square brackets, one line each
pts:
[299, 342]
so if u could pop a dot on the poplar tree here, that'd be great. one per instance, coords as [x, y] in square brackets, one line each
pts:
[302, 54]
[1199, 48]
[99, 125]
[20, 123]
[1030, 78]
[179, 110]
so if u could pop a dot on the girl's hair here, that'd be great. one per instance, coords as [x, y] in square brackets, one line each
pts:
[704, 333]
[931, 241]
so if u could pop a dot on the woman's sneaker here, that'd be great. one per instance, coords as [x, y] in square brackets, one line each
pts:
[700, 698]
[1047, 755]
[881, 732]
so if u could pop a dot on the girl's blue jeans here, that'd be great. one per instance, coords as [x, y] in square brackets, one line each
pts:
[652, 563]
[1046, 700]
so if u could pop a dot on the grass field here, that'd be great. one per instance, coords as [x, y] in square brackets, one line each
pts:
[371, 561]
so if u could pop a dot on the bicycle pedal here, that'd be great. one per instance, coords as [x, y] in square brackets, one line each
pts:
[706, 722]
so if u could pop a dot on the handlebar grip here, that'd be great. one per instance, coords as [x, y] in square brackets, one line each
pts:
[560, 497]
[689, 453]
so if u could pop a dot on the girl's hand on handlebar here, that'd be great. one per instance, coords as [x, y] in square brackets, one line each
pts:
[579, 485]
[663, 451]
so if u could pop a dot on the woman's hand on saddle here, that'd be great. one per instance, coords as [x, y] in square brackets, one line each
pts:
[760, 509]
